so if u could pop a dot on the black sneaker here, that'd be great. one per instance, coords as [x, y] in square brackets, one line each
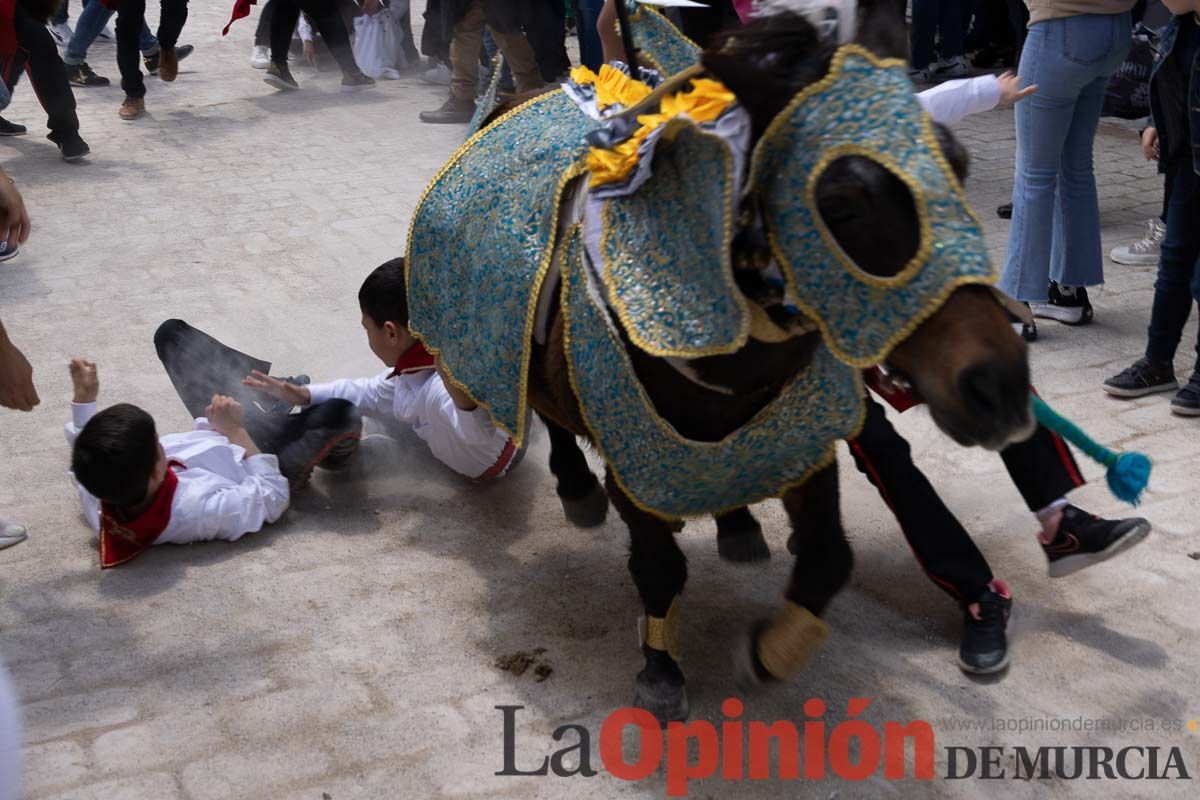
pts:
[1004, 211]
[73, 148]
[1187, 402]
[335, 438]
[1084, 539]
[984, 648]
[83, 75]
[453, 111]
[355, 81]
[1143, 378]
[11, 128]
[281, 78]
[1026, 330]
[7, 252]
[181, 52]
[1066, 304]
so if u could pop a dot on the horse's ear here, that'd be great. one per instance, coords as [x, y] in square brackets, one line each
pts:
[881, 28]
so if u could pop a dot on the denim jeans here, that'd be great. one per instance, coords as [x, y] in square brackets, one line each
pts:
[88, 25]
[1177, 288]
[590, 51]
[1056, 213]
[942, 18]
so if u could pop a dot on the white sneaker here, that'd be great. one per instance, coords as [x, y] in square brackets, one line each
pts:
[945, 70]
[11, 533]
[260, 57]
[1144, 252]
[107, 36]
[60, 32]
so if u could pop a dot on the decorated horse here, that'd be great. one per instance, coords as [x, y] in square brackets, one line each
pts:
[691, 273]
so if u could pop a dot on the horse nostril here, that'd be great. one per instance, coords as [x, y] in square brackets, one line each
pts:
[996, 390]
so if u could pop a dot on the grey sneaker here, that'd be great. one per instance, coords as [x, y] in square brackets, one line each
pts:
[1141, 379]
[949, 69]
[1187, 402]
[11, 533]
[1144, 252]
[438, 76]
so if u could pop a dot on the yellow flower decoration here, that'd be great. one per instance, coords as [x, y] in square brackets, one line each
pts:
[613, 87]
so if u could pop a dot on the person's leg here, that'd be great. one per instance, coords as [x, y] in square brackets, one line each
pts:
[464, 53]
[1018, 17]
[590, 52]
[1042, 468]
[63, 15]
[545, 29]
[131, 16]
[48, 75]
[941, 545]
[327, 17]
[407, 42]
[146, 41]
[1176, 288]
[88, 25]
[921, 35]
[262, 31]
[199, 366]
[284, 17]
[171, 22]
[950, 29]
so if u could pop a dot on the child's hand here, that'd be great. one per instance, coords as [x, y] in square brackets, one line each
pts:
[226, 415]
[281, 390]
[85, 380]
[1011, 92]
[1150, 144]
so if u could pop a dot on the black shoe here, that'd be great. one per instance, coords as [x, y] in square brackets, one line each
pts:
[1004, 211]
[1141, 379]
[340, 428]
[281, 78]
[984, 648]
[1026, 330]
[181, 52]
[73, 148]
[83, 75]
[273, 405]
[1084, 540]
[355, 81]
[452, 112]
[1066, 304]
[11, 128]
[1187, 402]
[7, 252]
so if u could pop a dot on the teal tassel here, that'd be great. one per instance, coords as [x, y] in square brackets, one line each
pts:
[1128, 473]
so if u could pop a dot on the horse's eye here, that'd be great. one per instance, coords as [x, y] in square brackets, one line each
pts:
[869, 215]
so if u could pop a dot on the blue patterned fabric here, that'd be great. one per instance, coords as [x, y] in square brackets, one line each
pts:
[660, 42]
[479, 245]
[674, 477]
[867, 108]
[666, 252]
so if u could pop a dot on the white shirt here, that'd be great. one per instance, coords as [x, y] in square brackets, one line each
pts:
[949, 102]
[223, 494]
[466, 441]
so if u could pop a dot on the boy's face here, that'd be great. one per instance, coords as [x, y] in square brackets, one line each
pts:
[389, 341]
[1181, 7]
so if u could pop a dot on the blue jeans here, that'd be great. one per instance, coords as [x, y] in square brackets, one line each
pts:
[1056, 213]
[943, 18]
[1177, 288]
[590, 51]
[88, 25]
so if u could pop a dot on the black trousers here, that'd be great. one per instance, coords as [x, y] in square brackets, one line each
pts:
[130, 16]
[199, 366]
[262, 31]
[546, 30]
[38, 55]
[1018, 17]
[701, 24]
[326, 18]
[1042, 468]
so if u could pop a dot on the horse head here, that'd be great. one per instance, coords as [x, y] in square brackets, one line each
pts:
[859, 195]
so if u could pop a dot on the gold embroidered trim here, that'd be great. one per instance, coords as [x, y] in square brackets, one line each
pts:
[790, 640]
[662, 633]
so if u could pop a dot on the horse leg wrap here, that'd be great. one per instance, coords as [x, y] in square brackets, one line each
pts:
[662, 633]
[790, 639]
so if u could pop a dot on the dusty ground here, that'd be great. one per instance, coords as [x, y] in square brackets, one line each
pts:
[351, 650]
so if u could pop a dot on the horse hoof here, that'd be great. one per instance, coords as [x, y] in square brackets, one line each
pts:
[743, 545]
[666, 701]
[588, 511]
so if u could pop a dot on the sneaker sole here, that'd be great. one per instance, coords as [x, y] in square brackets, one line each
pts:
[1067, 316]
[73, 159]
[1117, 391]
[1184, 411]
[280, 84]
[9, 541]
[266, 65]
[9, 254]
[1134, 261]
[1072, 564]
[359, 88]
[13, 133]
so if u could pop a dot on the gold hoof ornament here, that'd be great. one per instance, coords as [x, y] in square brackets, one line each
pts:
[790, 640]
[662, 633]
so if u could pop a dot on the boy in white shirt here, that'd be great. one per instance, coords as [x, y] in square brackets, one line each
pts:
[413, 391]
[138, 490]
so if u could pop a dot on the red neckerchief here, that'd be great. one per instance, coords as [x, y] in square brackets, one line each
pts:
[241, 8]
[415, 359]
[900, 399]
[122, 541]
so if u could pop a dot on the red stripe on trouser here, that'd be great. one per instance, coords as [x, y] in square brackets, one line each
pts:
[497, 469]
[883, 492]
[1068, 463]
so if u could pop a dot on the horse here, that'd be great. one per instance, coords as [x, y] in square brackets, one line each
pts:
[964, 361]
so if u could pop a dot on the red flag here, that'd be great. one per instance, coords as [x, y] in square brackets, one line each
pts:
[241, 8]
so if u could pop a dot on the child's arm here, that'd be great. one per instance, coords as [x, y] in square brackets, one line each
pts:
[86, 384]
[374, 395]
[951, 101]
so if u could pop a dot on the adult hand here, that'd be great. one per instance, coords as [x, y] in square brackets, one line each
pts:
[1011, 92]
[1150, 144]
[226, 415]
[371, 7]
[280, 390]
[85, 380]
[14, 219]
[16, 377]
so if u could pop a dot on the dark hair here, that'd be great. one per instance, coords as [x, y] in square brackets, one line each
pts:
[383, 296]
[115, 454]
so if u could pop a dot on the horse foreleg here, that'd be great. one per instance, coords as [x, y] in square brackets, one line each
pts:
[781, 646]
[659, 571]
[740, 537]
[583, 498]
